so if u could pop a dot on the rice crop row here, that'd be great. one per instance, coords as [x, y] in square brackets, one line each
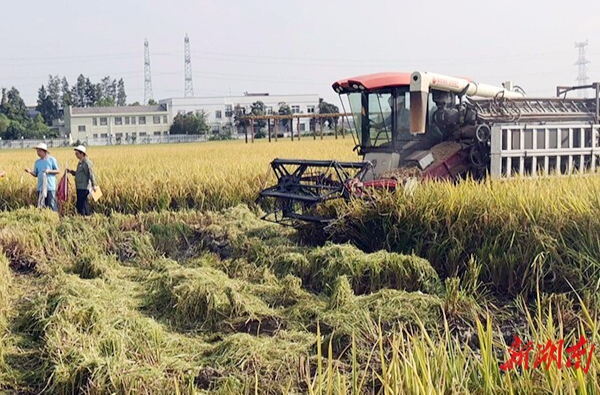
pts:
[205, 176]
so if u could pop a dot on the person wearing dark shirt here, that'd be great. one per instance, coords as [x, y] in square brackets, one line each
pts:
[84, 180]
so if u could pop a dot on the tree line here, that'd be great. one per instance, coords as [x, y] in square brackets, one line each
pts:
[17, 122]
[58, 94]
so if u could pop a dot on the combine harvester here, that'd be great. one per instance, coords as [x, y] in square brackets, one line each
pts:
[426, 126]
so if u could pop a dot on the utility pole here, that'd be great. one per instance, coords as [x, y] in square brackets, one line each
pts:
[582, 62]
[147, 74]
[189, 87]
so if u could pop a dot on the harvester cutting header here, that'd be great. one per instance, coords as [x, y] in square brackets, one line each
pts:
[424, 126]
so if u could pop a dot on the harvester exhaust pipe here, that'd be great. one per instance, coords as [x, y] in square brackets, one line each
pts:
[422, 82]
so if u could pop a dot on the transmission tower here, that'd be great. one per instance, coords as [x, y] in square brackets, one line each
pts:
[147, 74]
[582, 62]
[189, 87]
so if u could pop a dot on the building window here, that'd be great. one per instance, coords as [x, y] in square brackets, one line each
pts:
[142, 134]
[157, 133]
[218, 114]
[118, 121]
[269, 110]
[295, 109]
[142, 120]
[117, 135]
[310, 109]
[95, 121]
[126, 120]
[104, 135]
[81, 128]
[302, 127]
[104, 121]
[165, 119]
[95, 135]
[228, 111]
[156, 119]
[133, 120]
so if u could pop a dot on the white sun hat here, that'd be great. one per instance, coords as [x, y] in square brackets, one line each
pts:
[80, 148]
[42, 146]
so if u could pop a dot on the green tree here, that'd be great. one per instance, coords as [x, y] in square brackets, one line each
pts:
[121, 95]
[328, 108]
[54, 90]
[109, 89]
[4, 124]
[152, 102]
[15, 131]
[258, 108]
[105, 102]
[67, 96]
[78, 92]
[93, 93]
[190, 123]
[239, 119]
[13, 106]
[39, 127]
[47, 108]
[284, 109]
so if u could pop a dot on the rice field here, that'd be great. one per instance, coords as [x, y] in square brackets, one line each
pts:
[177, 287]
[206, 176]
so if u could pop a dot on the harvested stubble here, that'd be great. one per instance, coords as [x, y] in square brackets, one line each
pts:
[94, 341]
[320, 267]
[274, 359]
[5, 280]
[206, 299]
[96, 335]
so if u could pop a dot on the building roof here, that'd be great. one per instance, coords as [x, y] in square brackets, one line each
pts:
[266, 97]
[117, 110]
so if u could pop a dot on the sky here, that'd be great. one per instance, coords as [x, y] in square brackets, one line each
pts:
[287, 47]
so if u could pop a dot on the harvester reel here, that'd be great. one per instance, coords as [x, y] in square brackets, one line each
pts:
[303, 185]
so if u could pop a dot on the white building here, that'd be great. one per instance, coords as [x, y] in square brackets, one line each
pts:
[118, 123]
[220, 110]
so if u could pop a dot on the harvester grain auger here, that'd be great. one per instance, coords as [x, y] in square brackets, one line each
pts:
[426, 126]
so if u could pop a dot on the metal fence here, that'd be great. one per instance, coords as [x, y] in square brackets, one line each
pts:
[54, 143]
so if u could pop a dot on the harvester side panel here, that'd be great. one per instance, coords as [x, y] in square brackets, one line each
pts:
[544, 149]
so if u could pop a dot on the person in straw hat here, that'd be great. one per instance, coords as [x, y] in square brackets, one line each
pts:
[84, 177]
[45, 169]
